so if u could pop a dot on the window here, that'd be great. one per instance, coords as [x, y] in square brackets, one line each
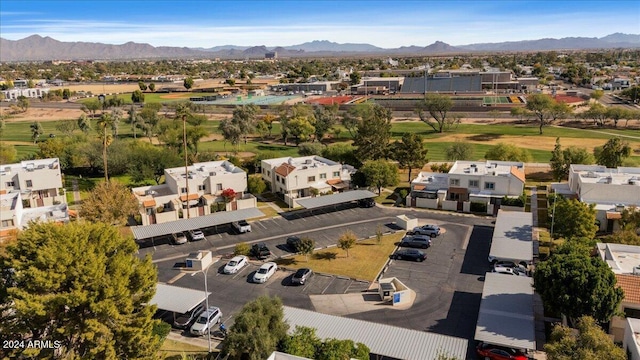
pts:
[268, 173]
[454, 182]
[183, 190]
[282, 181]
[311, 179]
[634, 313]
[11, 184]
[7, 223]
[200, 187]
[489, 186]
[323, 176]
[277, 178]
[473, 183]
[336, 174]
[219, 187]
[29, 183]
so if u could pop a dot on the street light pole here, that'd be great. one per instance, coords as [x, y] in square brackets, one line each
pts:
[206, 300]
[186, 159]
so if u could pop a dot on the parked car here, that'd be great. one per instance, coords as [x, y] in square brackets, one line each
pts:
[366, 203]
[265, 272]
[494, 352]
[241, 226]
[416, 241]
[509, 264]
[206, 320]
[301, 276]
[509, 271]
[260, 251]
[429, 230]
[235, 264]
[196, 235]
[293, 242]
[183, 321]
[409, 254]
[178, 238]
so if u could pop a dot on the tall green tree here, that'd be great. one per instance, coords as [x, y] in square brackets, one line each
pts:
[573, 219]
[342, 153]
[612, 153]
[590, 342]
[374, 133]
[546, 109]
[508, 152]
[230, 132]
[379, 173]
[256, 185]
[109, 202]
[616, 114]
[245, 117]
[91, 106]
[300, 128]
[561, 159]
[303, 342]
[36, 131]
[147, 161]
[410, 152]
[325, 118]
[137, 97]
[306, 247]
[8, 153]
[23, 103]
[188, 83]
[152, 87]
[347, 240]
[142, 86]
[596, 112]
[355, 78]
[459, 150]
[576, 284]
[105, 123]
[257, 330]
[89, 293]
[332, 349]
[434, 109]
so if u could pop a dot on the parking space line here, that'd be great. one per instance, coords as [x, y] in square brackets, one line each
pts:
[176, 278]
[330, 282]
[241, 270]
[261, 224]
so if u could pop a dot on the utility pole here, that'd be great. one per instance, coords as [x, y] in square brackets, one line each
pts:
[186, 159]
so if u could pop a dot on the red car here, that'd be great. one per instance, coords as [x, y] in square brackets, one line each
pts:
[494, 352]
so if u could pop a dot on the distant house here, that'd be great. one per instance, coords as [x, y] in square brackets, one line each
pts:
[34, 93]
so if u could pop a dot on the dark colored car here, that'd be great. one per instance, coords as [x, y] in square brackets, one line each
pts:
[185, 320]
[260, 251]
[366, 203]
[293, 242]
[409, 254]
[301, 276]
[416, 241]
[494, 352]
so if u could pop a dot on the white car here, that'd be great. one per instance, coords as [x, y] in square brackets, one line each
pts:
[242, 226]
[205, 320]
[196, 235]
[234, 265]
[429, 230]
[265, 272]
[509, 271]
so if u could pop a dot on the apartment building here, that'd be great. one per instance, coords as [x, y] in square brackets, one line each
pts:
[468, 182]
[303, 177]
[31, 190]
[201, 189]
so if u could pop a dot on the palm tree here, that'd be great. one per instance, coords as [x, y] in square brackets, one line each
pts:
[134, 119]
[104, 124]
[84, 124]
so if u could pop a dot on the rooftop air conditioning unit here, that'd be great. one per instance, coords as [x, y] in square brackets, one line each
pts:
[213, 173]
[308, 161]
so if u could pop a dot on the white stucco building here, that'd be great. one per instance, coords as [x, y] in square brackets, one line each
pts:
[199, 191]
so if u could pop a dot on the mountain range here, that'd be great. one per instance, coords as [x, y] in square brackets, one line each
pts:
[38, 48]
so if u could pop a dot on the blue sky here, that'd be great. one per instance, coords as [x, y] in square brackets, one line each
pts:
[388, 24]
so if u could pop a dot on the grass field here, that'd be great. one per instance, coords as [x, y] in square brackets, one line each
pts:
[176, 350]
[365, 259]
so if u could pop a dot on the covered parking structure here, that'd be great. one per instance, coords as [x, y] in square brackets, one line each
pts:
[335, 199]
[506, 316]
[200, 222]
[512, 237]
[177, 300]
[386, 341]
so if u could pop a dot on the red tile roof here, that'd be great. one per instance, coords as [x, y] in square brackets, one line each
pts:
[517, 173]
[285, 169]
[630, 284]
[190, 197]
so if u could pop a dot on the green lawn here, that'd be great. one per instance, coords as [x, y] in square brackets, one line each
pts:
[154, 97]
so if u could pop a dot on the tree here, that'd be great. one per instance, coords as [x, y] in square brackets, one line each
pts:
[596, 112]
[374, 132]
[347, 240]
[268, 120]
[257, 330]
[546, 109]
[303, 342]
[188, 83]
[325, 118]
[245, 117]
[351, 119]
[561, 160]
[105, 123]
[612, 153]
[379, 173]
[23, 103]
[410, 152]
[67, 127]
[355, 78]
[91, 106]
[307, 149]
[459, 151]
[152, 87]
[66, 94]
[520, 113]
[590, 342]
[597, 94]
[146, 161]
[436, 106]
[332, 349]
[230, 132]
[36, 131]
[3, 127]
[573, 283]
[84, 124]
[8, 153]
[573, 219]
[142, 86]
[342, 153]
[616, 114]
[109, 202]
[137, 97]
[508, 152]
[256, 185]
[56, 297]
[306, 246]
[300, 128]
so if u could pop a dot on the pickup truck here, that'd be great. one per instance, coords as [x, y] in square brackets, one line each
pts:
[241, 226]
[260, 251]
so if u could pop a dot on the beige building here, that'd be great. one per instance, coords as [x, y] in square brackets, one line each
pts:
[303, 177]
[199, 191]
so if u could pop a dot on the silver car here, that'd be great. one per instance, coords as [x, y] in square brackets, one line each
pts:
[206, 320]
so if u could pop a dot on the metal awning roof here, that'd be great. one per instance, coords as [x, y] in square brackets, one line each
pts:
[329, 200]
[177, 299]
[506, 315]
[385, 340]
[200, 222]
[513, 236]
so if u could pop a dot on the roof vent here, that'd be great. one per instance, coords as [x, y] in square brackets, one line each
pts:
[308, 161]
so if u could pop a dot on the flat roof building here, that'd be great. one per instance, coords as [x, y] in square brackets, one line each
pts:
[512, 237]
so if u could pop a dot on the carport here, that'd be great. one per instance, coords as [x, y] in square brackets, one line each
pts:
[335, 199]
[177, 299]
[200, 222]
[512, 237]
[384, 340]
[506, 316]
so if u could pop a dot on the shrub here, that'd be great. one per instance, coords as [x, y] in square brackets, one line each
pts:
[159, 209]
[478, 207]
[519, 201]
[242, 249]
[161, 329]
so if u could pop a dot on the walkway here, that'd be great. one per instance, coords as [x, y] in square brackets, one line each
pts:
[76, 197]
